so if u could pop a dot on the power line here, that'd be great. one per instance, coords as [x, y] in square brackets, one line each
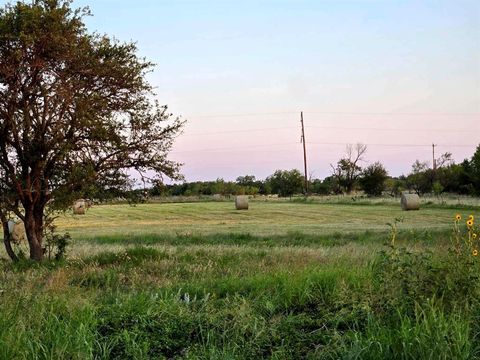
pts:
[234, 131]
[243, 148]
[250, 163]
[393, 113]
[233, 148]
[394, 145]
[240, 131]
[313, 143]
[336, 113]
[243, 115]
[393, 129]
[454, 145]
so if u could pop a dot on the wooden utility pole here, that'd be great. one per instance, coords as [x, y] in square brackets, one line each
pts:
[434, 162]
[304, 154]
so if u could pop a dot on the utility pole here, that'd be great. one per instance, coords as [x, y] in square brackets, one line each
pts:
[434, 163]
[304, 153]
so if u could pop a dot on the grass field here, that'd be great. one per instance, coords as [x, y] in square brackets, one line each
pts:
[263, 218]
[283, 280]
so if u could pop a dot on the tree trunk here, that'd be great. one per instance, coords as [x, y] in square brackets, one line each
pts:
[33, 235]
[7, 242]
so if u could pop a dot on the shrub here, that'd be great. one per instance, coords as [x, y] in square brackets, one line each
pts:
[373, 179]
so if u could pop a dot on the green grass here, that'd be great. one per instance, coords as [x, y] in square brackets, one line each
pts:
[202, 281]
[263, 218]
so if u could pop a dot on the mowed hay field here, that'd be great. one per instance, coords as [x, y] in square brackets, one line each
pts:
[263, 218]
[283, 280]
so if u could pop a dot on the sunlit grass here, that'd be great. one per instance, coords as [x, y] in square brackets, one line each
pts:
[263, 218]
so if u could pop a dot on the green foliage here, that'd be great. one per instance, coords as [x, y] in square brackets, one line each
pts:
[56, 245]
[395, 186]
[199, 188]
[452, 179]
[80, 114]
[437, 188]
[461, 178]
[373, 179]
[474, 171]
[286, 182]
[325, 187]
[420, 179]
[348, 169]
[404, 277]
[249, 185]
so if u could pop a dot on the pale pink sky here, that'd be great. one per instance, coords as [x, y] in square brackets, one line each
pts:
[228, 151]
[355, 68]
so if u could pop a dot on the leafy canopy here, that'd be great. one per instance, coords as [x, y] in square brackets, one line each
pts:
[75, 111]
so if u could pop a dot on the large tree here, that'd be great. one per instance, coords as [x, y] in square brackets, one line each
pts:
[75, 109]
[422, 178]
[373, 179]
[348, 169]
[285, 182]
[475, 171]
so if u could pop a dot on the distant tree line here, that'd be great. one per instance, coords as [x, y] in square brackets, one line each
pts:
[282, 182]
[348, 175]
[463, 178]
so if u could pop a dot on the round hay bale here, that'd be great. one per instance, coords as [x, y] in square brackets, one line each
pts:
[79, 207]
[241, 202]
[17, 231]
[410, 202]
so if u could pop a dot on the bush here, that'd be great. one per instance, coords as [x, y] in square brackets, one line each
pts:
[373, 179]
[285, 182]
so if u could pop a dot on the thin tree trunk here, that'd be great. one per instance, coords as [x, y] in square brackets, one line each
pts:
[7, 241]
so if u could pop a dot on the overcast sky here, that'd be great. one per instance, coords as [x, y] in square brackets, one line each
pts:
[400, 73]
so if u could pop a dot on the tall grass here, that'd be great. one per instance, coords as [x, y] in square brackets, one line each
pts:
[429, 334]
[39, 326]
[323, 311]
[341, 295]
[291, 238]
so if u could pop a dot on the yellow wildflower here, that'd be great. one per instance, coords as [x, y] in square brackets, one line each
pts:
[474, 236]
[458, 217]
[471, 217]
[475, 252]
[470, 223]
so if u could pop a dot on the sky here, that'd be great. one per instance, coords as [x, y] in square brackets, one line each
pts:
[395, 75]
